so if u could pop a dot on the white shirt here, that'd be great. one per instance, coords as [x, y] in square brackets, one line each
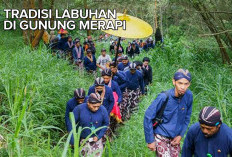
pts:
[103, 60]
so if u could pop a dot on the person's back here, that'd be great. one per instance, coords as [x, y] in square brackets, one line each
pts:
[115, 88]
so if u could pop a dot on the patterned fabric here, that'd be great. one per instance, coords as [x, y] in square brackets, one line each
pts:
[182, 73]
[164, 147]
[115, 118]
[91, 148]
[69, 55]
[110, 130]
[79, 63]
[70, 45]
[102, 94]
[129, 103]
[210, 116]
[78, 51]
[116, 110]
[94, 98]
[90, 58]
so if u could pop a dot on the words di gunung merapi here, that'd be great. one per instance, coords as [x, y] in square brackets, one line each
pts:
[44, 15]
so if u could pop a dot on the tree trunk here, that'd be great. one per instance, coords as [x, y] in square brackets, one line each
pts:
[31, 32]
[26, 32]
[86, 7]
[52, 8]
[37, 38]
[205, 16]
[40, 33]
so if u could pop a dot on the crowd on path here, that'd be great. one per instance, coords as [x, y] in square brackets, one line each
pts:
[115, 95]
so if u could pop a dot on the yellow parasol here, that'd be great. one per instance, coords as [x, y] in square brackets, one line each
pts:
[135, 28]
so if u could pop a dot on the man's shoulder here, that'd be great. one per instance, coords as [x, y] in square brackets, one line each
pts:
[195, 127]
[189, 95]
[103, 110]
[114, 82]
[227, 130]
[108, 89]
[91, 87]
[121, 72]
[71, 101]
[80, 107]
[99, 57]
[127, 72]
[164, 95]
[140, 73]
[189, 92]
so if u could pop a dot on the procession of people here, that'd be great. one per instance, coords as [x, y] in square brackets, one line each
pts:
[115, 95]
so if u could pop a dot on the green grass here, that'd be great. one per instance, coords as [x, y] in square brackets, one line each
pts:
[34, 89]
[211, 86]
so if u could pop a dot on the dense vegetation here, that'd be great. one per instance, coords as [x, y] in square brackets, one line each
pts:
[35, 87]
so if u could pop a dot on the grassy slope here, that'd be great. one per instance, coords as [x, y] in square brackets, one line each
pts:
[51, 83]
[211, 85]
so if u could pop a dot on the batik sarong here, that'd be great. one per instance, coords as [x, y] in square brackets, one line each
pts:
[91, 148]
[129, 103]
[79, 64]
[164, 147]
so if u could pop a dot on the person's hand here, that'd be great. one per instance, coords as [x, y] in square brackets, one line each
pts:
[176, 141]
[113, 71]
[95, 138]
[151, 146]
